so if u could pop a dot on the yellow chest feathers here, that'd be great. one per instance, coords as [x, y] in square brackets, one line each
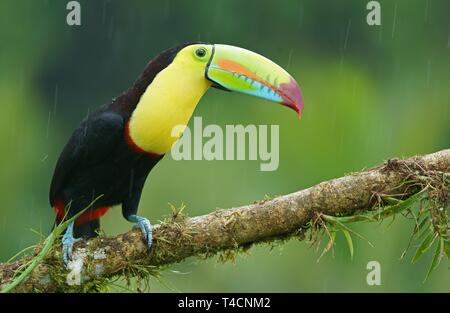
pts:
[168, 101]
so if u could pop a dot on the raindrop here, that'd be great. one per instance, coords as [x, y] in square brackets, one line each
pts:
[341, 64]
[167, 9]
[104, 12]
[380, 34]
[347, 32]
[300, 17]
[85, 129]
[354, 88]
[111, 27]
[291, 51]
[428, 72]
[55, 99]
[448, 40]
[426, 10]
[48, 124]
[394, 21]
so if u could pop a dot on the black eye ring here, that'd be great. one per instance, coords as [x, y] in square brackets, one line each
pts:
[200, 52]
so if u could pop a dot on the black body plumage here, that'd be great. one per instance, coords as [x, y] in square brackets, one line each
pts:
[99, 162]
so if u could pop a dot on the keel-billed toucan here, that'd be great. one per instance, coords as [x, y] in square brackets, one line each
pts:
[111, 153]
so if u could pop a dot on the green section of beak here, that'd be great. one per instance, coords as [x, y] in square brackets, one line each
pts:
[236, 69]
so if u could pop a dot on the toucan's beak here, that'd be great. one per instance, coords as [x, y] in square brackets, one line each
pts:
[236, 69]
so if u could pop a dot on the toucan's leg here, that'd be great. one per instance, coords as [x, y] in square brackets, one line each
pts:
[130, 208]
[144, 225]
[68, 241]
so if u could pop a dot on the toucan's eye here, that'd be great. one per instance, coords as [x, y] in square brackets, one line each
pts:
[200, 52]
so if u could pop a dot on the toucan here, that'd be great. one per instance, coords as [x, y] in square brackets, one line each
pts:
[107, 159]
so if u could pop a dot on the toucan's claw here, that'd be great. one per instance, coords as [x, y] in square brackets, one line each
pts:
[144, 225]
[68, 241]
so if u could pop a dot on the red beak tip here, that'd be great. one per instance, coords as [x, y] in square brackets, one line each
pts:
[292, 96]
[297, 108]
[299, 111]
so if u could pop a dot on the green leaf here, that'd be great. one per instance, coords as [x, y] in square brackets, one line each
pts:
[421, 224]
[403, 205]
[337, 223]
[391, 200]
[436, 259]
[424, 246]
[356, 218]
[348, 237]
[426, 229]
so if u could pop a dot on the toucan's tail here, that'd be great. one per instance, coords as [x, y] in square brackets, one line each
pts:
[87, 224]
[86, 230]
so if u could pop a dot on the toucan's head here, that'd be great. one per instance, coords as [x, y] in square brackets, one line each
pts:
[173, 83]
[235, 69]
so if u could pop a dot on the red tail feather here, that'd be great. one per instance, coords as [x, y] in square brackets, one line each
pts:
[89, 215]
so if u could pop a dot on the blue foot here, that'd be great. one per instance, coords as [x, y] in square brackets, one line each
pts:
[144, 225]
[68, 241]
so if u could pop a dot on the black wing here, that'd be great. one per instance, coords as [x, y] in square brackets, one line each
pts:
[90, 144]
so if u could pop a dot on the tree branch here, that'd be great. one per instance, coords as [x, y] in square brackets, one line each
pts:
[180, 237]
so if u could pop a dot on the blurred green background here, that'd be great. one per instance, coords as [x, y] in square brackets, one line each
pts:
[371, 93]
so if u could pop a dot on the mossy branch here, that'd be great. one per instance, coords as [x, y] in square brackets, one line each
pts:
[365, 196]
